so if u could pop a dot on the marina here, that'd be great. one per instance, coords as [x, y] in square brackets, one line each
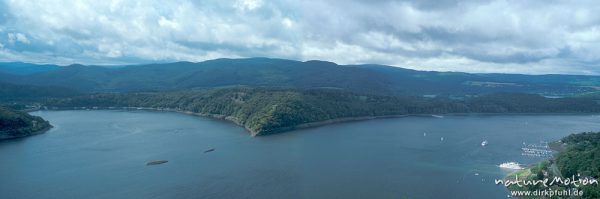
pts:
[536, 150]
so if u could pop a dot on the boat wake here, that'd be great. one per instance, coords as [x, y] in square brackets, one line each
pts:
[510, 165]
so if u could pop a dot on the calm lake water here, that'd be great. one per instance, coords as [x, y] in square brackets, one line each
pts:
[103, 154]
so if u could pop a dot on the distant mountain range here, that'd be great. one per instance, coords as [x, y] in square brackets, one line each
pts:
[20, 68]
[10, 91]
[275, 95]
[266, 72]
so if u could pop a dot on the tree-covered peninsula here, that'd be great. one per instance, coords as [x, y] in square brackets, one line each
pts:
[272, 110]
[15, 124]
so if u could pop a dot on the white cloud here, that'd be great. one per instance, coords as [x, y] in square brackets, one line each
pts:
[17, 37]
[165, 23]
[287, 22]
[475, 36]
[248, 4]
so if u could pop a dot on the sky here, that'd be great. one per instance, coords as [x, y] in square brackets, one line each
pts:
[505, 36]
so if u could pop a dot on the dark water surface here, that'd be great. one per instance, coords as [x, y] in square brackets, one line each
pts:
[103, 154]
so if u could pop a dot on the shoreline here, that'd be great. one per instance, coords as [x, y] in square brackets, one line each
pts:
[231, 119]
[235, 121]
[299, 126]
[335, 121]
[551, 169]
[41, 131]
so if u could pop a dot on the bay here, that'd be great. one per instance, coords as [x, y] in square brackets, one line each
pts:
[103, 154]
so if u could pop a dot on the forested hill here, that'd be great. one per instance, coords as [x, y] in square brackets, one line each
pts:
[581, 158]
[15, 124]
[274, 95]
[20, 68]
[268, 110]
[258, 72]
[578, 158]
[12, 92]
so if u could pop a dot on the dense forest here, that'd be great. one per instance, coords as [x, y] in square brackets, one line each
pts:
[581, 157]
[15, 124]
[273, 95]
[16, 92]
[271, 110]
[259, 72]
[578, 157]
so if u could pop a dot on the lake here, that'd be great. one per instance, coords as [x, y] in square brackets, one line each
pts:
[103, 154]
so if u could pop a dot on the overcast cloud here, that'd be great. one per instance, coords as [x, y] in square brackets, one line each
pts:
[516, 36]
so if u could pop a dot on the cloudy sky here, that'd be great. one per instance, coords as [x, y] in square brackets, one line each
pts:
[515, 36]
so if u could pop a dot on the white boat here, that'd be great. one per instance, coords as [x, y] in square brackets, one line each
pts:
[511, 165]
[437, 116]
[485, 142]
